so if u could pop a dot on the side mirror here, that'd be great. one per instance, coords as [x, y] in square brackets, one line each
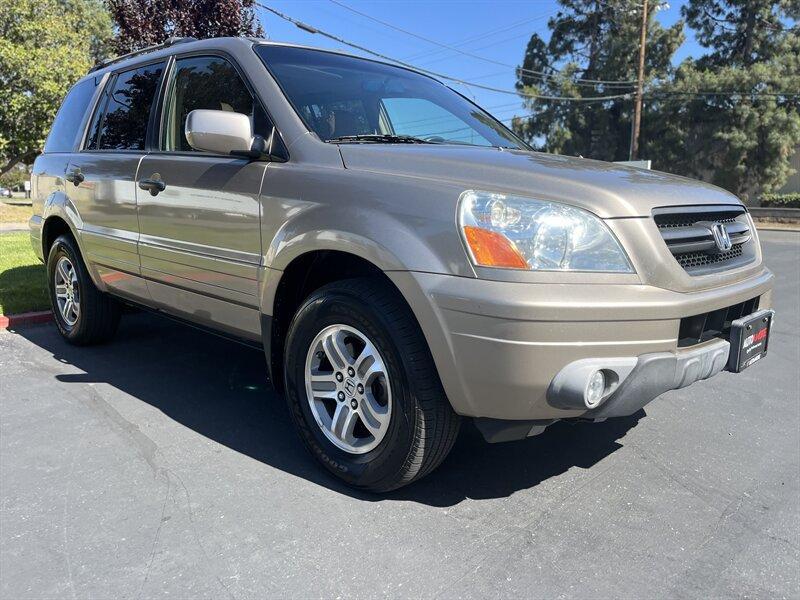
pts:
[220, 132]
[225, 132]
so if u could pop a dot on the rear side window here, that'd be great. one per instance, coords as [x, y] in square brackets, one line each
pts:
[66, 127]
[121, 124]
[206, 82]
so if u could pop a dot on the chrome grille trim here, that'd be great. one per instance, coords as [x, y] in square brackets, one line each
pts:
[688, 232]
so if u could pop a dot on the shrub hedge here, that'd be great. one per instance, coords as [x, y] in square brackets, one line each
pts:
[781, 200]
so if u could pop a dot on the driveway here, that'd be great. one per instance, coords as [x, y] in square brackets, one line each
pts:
[161, 465]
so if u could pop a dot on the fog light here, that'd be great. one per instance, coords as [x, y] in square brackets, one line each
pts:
[595, 389]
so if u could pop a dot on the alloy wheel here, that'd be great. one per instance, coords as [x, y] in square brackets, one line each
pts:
[68, 296]
[348, 388]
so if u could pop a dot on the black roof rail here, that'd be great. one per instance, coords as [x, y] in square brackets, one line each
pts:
[165, 44]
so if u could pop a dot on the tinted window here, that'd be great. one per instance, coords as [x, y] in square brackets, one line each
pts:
[70, 116]
[419, 117]
[123, 124]
[339, 95]
[205, 82]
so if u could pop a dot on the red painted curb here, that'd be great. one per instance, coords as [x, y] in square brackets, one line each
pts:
[30, 318]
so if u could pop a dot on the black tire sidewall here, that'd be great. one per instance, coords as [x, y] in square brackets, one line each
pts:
[63, 246]
[338, 306]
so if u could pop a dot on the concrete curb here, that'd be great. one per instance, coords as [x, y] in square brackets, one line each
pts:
[21, 320]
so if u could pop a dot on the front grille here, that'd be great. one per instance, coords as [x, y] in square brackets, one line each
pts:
[694, 237]
[715, 324]
[692, 260]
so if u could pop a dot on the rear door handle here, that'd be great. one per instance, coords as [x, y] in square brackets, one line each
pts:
[75, 176]
[154, 186]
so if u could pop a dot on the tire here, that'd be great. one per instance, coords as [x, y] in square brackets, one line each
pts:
[97, 316]
[419, 425]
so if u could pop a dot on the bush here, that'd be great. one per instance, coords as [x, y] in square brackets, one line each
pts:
[15, 178]
[781, 200]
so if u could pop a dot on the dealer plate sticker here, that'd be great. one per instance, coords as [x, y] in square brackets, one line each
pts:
[749, 339]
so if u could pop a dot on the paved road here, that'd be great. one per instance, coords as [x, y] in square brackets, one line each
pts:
[161, 465]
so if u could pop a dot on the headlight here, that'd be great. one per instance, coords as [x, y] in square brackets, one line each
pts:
[520, 233]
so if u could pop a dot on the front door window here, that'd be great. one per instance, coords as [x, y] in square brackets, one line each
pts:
[205, 82]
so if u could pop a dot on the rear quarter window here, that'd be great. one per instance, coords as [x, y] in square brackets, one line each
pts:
[121, 123]
[67, 125]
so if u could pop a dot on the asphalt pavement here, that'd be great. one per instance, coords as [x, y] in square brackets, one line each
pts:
[161, 465]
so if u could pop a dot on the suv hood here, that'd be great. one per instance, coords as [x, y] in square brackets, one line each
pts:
[606, 189]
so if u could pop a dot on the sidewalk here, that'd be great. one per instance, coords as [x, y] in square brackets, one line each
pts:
[9, 227]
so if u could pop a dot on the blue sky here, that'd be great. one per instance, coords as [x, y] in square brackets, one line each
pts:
[496, 30]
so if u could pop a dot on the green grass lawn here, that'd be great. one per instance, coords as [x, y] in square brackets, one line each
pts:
[12, 213]
[23, 285]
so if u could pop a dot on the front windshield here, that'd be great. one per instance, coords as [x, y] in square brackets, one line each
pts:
[348, 99]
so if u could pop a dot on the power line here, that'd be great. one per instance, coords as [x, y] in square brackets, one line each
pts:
[482, 36]
[725, 93]
[315, 30]
[589, 99]
[542, 74]
[492, 44]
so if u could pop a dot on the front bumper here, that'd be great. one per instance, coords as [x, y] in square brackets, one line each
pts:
[640, 380]
[498, 346]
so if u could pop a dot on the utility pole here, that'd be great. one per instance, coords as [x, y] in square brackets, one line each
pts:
[637, 107]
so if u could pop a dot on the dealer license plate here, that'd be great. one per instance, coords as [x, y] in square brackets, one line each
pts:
[749, 339]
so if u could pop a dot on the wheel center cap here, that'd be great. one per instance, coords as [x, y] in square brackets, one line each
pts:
[349, 386]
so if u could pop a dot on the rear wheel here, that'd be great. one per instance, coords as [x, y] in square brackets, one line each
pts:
[362, 387]
[82, 313]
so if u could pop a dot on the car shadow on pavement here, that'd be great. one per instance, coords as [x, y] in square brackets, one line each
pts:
[220, 390]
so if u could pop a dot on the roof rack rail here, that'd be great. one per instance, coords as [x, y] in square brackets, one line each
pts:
[165, 44]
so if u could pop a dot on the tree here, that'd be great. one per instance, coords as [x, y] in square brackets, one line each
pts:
[742, 32]
[44, 49]
[591, 42]
[742, 136]
[93, 19]
[15, 178]
[142, 23]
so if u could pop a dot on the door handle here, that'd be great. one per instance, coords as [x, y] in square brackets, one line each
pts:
[154, 186]
[75, 176]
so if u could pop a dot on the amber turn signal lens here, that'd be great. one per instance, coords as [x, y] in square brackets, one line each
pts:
[492, 249]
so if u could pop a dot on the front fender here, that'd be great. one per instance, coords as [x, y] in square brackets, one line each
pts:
[395, 223]
[377, 238]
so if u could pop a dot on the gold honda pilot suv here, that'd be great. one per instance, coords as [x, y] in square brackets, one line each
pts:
[403, 259]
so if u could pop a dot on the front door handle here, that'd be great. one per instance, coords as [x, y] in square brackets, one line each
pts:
[154, 186]
[75, 176]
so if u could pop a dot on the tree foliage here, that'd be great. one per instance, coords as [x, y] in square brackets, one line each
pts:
[44, 49]
[740, 136]
[743, 137]
[742, 32]
[143, 23]
[591, 40]
[15, 178]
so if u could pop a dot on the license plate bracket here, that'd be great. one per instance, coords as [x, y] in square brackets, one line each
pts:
[749, 339]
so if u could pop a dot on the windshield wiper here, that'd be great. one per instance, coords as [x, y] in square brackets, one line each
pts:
[381, 138]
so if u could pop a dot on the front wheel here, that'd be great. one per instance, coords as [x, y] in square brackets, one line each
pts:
[362, 387]
[82, 313]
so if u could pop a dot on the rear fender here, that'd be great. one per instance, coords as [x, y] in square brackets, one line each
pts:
[58, 205]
